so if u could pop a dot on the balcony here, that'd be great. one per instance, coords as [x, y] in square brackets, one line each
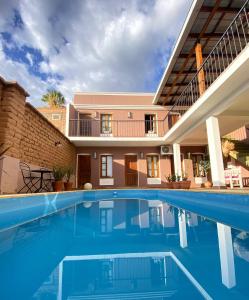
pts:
[116, 128]
[233, 41]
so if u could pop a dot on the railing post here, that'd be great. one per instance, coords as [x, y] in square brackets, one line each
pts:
[201, 74]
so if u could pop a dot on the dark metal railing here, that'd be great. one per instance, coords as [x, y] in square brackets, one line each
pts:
[229, 46]
[116, 128]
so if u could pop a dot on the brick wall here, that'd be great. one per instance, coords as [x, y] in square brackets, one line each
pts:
[30, 136]
[49, 112]
[38, 141]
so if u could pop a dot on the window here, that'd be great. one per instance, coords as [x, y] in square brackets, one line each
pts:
[56, 117]
[107, 273]
[150, 123]
[106, 125]
[155, 217]
[152, 166]
[106, 166]
[106, 220]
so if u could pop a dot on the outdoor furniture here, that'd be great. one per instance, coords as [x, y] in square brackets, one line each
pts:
[47, 180]
[233, 177]
[44, 182]
[29, 178]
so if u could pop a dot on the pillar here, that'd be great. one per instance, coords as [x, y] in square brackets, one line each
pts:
[177, 159]
[226, 255]
[201, 74]
[215, 152]
[182, 228]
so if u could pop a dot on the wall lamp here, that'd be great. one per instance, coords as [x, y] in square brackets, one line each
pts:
[94, 155]
[58, 144]
[141, 155]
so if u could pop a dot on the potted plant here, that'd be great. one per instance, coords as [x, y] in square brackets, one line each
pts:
[175, 181]
[205, 168]
[58, 173]
[169, 182]
[185, 183]
[68, 173]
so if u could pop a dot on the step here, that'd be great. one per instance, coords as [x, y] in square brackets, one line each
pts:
[124, 296]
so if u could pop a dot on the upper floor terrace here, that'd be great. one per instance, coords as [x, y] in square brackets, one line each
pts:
[208, 65]
[95, 117]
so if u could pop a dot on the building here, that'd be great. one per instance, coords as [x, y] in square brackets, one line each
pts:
[56, 115]
[198, 101]
[118, 139]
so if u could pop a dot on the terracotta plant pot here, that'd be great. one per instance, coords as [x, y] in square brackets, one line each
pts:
[175, 185]
[185, 184]
[68, 186]
[58, 186]
[168, 185]
[208, 184]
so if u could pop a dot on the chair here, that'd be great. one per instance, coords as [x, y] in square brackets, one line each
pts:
[47, 181]
[233, 177]
[29, 179]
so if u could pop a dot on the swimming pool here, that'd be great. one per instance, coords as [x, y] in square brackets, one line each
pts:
[124, 244]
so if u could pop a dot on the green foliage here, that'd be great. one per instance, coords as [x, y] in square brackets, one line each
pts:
[59, 173]
[184, 177]
[54, 98]
[205, 166]
[69, 172]
[173, 178]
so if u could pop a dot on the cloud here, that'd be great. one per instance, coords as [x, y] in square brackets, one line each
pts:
[90, 45]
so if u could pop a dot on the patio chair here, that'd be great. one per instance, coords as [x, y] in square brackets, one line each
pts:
[233, 177]
[29, 179]
[47, 181]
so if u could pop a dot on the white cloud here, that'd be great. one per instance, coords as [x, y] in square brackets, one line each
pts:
[95, 45]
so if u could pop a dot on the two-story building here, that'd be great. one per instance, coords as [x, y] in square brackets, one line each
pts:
[138, 139]
[119, 140]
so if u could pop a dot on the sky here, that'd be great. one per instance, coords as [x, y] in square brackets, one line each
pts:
[88, 45]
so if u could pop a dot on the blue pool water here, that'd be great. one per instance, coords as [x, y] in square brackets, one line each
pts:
[122, 245]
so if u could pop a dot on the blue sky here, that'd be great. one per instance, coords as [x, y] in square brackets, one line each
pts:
[88, 45]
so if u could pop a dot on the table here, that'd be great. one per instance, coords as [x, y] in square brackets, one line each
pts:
[42, 172]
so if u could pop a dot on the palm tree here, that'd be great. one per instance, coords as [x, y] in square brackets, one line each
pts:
[54, 98]
[227, 147]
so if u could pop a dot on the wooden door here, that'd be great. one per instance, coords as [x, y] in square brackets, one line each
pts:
[131, 174]
[84, 170]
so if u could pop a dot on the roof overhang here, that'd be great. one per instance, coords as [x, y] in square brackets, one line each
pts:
[206, 21]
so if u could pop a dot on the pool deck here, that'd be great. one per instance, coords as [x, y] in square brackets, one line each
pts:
[236, 191]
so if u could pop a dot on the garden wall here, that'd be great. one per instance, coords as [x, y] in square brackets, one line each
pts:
[29, 137]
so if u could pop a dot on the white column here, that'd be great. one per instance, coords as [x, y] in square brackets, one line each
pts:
[215, 152]
[177, 159]
[182, 229]
[226, 255]
[67, 120]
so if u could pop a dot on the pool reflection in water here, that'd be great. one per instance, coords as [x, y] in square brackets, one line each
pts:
[123, 249]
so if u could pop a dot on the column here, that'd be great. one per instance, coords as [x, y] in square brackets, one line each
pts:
[226, 255]
[182, 228]
[201, 74]
[177, 159]
[215, 152]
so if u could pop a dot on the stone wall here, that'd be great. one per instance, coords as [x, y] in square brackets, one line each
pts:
[29, 137]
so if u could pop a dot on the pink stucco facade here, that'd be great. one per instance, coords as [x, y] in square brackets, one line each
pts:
[131, 116]
[165, 164]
